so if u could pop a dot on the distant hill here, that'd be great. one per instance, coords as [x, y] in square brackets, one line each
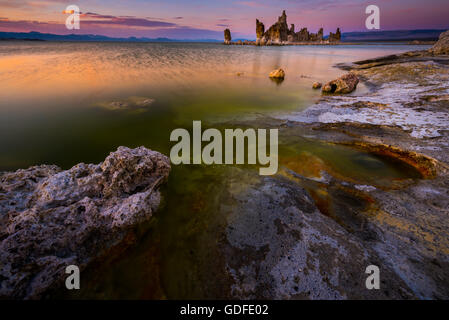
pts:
[86, 37]
[399, 35]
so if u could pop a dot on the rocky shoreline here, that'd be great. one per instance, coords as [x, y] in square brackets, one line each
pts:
[310, 232]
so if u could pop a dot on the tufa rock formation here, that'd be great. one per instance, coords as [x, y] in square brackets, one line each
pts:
[50, 218]
[227, 36]
[279, 33]
[335, 37]
[260, 30]
[343, 85]
[442, 46]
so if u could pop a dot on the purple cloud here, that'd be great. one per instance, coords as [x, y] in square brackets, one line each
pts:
[124, 28]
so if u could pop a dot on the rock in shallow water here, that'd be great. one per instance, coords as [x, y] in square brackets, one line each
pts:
[131, 103]
[345, 84]
[317, 85]
[50, 218]
[277, 74]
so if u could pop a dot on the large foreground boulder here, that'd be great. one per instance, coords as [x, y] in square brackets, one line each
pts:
[442, 46]
[50, 219]
[343, 85]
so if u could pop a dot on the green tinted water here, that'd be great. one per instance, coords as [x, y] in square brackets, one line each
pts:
[72, 102]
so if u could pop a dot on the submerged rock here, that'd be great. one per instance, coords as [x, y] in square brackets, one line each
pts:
[345, 84]
[131, 103]
[50, 219]
[442, 46]
[277, 74]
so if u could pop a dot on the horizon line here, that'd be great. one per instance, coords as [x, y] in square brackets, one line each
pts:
[199, 39]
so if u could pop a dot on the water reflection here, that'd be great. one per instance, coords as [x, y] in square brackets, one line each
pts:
[51, 92]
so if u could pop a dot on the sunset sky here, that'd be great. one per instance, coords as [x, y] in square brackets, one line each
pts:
[206, 19]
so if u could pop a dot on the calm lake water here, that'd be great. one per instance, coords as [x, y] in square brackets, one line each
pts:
[56, 98]
[65, 103]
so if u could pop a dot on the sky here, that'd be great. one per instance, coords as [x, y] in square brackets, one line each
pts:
[206, 19]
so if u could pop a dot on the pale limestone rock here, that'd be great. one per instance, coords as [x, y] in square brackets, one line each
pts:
[50, 218]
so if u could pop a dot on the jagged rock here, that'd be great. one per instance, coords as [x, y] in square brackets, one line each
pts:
[320, 34]
[50, 218]
[303, 35]
[335, 37]
[345, 84]
[260, 30]
[292, 29]
[227, 36]
[279, 33]
[442, 46]
[317, 85]
[277, 74]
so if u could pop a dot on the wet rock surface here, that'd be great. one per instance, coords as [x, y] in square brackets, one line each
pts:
[278, 245]
[52, 218]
